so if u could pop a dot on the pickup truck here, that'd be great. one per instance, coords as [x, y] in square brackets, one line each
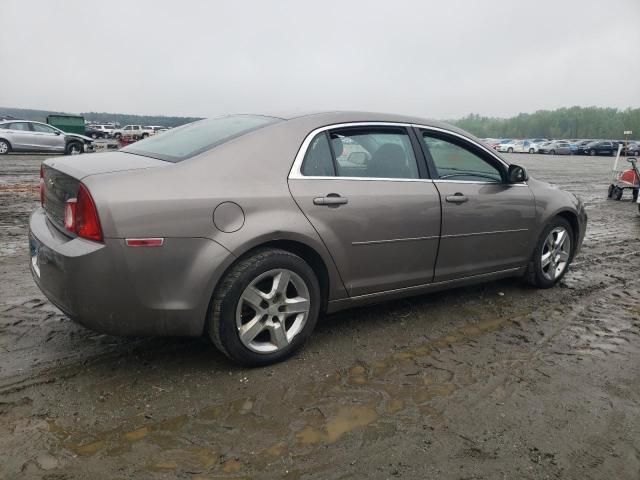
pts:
[136, 132]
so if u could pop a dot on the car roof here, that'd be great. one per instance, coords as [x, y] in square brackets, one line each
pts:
[320, 119]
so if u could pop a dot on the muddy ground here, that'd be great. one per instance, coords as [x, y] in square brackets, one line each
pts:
[495, 381]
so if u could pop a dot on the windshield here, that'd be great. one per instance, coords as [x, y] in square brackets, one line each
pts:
[189, 140]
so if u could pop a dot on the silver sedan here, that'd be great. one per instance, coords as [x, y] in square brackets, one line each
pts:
[247, 228]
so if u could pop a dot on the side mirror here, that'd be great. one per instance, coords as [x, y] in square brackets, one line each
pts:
[57, 132]
[517, 174]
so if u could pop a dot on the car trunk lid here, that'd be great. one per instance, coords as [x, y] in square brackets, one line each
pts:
[62, 176]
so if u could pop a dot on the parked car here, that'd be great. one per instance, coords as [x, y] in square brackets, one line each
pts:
[169, 237]
[522, 146]
[135, 132]
[581, 145]
[632, 149]
[106, 129]
[555, 148]
[600, 147]
[158, 129]
[95, 133]
[26, 136]
[506, 146]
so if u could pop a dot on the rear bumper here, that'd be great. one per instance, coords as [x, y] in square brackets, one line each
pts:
[120, 290]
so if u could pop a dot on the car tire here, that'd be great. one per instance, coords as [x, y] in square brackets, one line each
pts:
[74, 148]
[5, 147]
[531, 150]
[552, 152]
[509, 150]
[117, 136]
[610, 191]
[635, 153]
[617, 193]
[254, 279]
[592, 153]
[543, 275]
[94, 135]
[145, 135]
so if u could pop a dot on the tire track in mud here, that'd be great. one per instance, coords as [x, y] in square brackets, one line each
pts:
[366, 403]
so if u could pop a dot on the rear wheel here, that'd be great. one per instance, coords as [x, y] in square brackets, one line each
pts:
[509, 150]
[145, 135]
[4, 147]
[552, 152]
[552, 255]
[592, 153]
[265, 308]
[531, 150]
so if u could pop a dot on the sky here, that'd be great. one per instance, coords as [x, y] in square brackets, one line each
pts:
[436, 59]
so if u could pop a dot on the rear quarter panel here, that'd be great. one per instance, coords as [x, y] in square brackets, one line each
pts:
[179, 200]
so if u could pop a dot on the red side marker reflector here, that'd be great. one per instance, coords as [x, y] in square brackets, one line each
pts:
[144, 242]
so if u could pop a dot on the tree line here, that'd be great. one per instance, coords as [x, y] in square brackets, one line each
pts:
[573, 122]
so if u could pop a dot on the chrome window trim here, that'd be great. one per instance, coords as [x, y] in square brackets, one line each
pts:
[296, 174]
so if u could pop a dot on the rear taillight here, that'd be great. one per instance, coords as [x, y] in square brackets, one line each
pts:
[41, 185]
[81, 216]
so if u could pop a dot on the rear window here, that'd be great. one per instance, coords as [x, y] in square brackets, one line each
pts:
[189, 140]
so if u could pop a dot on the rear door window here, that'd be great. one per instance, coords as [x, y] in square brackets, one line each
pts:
[21, 126]
[374, 152]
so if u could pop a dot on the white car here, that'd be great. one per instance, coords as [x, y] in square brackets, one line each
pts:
[523, 146]
[506, 146]
[135, 132]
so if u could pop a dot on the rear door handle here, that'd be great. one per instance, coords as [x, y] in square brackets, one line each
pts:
[333, 199]
[456, 198]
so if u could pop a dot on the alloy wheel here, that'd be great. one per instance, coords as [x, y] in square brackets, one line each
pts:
[272, 310]
[555, 253]
[4, 148]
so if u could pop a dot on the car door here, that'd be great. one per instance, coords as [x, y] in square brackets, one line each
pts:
[20, 136]
[48, 138]
[366, 193]
[486, 222]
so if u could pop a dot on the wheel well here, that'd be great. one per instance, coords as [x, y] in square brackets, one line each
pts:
[573, 221]
[8, 142]
[310, 256]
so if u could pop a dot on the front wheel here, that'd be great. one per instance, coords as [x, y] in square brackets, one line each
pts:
[552, 255]
[552, 152]
[264, 308]
[509, 150]
[145, 135]
[592, 153]
[531, 150]
[74, 149]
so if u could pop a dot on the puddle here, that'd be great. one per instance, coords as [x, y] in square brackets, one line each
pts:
[347, 419]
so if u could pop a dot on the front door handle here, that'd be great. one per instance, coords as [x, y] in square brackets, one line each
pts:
[333, 199]
[456, 198]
